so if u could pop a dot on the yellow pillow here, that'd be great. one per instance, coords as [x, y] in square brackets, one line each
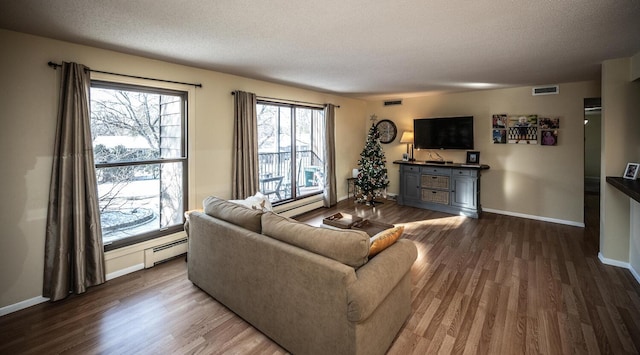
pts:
[384, 239]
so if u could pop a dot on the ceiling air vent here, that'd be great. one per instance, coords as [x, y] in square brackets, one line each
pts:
[393, 102]
[545, 90]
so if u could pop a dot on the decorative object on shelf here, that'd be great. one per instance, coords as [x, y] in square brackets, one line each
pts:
[473, 157]
[372, 176]
[407, 138]
[387, 130]
[354, 173]
[437, 159]
[631, 172]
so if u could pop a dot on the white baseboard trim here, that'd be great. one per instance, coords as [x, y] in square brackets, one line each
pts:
[613, 262]
[125, 271]
[22, 305]
[538, 218]
[634, 273]
[621, 264]
[37, 300]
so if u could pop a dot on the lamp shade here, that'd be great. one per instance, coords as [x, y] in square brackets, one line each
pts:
[407, 137]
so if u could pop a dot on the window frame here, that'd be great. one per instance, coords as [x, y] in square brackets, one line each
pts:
[293, 107]
[183, 159]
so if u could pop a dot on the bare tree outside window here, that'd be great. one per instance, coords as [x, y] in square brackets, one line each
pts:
[139, 150]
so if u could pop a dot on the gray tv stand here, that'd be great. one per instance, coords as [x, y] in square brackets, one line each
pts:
[450, 188]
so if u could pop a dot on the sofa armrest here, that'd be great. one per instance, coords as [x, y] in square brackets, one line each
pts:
[377, 278]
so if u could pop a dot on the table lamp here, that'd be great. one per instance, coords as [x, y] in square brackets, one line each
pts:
[407, 138]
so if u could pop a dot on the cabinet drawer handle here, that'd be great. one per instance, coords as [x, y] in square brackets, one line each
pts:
[434, 192]
[434, 177]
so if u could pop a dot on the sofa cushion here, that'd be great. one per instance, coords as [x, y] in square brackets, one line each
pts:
[347, 246]
[233, 213]
[384, 239]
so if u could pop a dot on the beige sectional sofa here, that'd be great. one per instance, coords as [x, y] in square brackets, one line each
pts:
[312, 290]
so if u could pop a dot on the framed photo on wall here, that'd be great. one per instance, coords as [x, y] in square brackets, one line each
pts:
[500, 121]
[499, 136]
[473, 157]
[523, 129]
[549, 137]
[631, 172]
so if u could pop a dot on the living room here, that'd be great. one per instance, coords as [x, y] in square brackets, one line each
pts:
[533, 182]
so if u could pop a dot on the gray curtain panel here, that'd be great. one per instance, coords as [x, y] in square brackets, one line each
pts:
[74, 255]
[245, 146]
[330, 194]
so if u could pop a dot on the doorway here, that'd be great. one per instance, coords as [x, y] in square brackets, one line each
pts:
[592, 175]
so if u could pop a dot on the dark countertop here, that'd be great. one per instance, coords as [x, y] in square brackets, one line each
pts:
[446, 165]
[629, 187]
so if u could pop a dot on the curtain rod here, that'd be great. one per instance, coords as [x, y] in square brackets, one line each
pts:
[56, 65]
[287, 101]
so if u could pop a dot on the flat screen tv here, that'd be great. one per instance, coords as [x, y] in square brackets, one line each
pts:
[443, 133]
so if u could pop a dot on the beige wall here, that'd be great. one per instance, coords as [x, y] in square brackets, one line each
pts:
[531, 180]
[635, 67]
[29, 104]
[620, 145]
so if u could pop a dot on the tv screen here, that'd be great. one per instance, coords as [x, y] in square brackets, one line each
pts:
[443, 133]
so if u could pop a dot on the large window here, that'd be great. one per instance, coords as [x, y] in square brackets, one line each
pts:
[290, 150]
[139, 142]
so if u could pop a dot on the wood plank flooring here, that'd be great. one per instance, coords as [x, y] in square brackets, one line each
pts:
[497, 285]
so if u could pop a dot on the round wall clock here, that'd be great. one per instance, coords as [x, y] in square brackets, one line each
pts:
[387, 130]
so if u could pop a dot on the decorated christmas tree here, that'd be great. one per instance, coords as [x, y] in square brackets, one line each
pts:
[372, 176]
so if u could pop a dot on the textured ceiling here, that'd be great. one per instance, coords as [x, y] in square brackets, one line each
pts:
[369, 49]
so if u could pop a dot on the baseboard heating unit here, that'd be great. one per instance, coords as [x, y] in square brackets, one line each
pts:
[155, 255]
[293, 210]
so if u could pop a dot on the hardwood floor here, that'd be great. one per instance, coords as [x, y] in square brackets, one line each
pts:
[497, 285]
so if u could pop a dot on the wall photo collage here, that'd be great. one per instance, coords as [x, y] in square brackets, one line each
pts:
[525, 129]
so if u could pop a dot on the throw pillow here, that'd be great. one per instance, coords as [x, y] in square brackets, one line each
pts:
[258, 202]
[384, 239]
